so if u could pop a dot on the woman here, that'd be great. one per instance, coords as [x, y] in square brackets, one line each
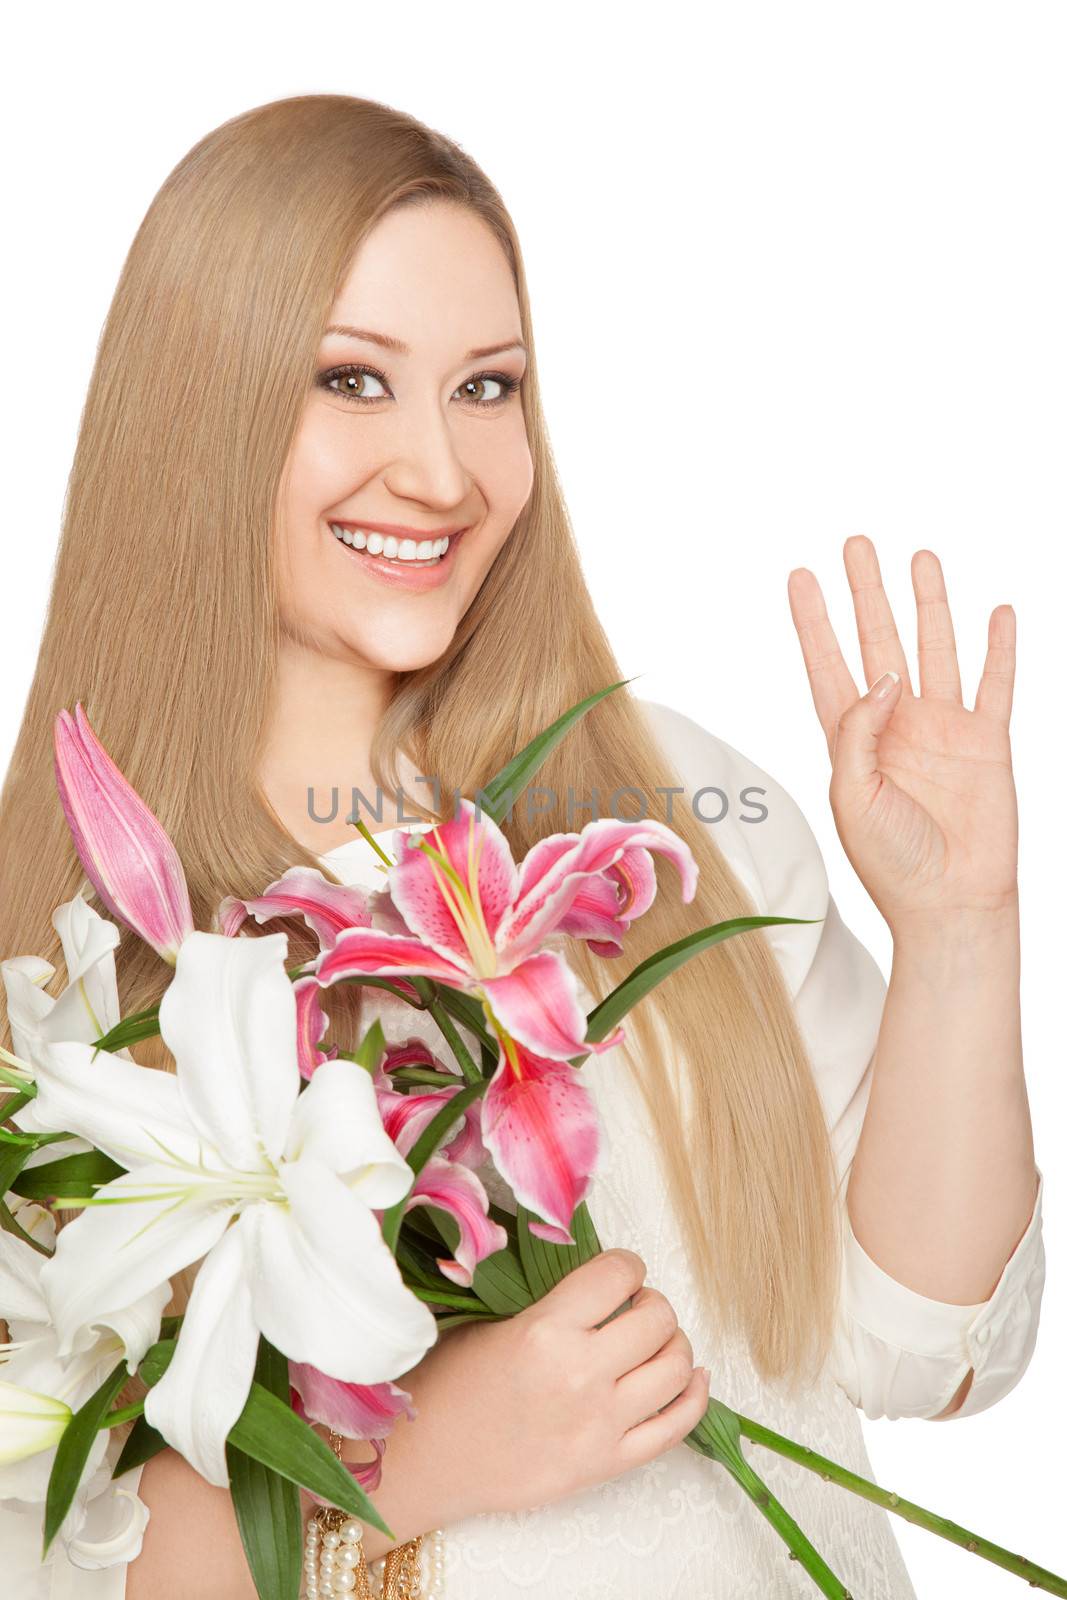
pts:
[241, 634]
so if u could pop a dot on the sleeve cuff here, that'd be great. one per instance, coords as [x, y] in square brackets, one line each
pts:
[940, 1340]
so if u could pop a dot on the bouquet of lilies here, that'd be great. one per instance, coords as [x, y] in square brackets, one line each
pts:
[331, 1198]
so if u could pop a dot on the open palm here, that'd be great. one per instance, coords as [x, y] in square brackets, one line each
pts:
[922, 789]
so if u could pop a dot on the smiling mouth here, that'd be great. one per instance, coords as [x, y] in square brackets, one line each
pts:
[388, 548]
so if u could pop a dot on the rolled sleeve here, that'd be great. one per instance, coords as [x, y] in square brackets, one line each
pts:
[901, 1354]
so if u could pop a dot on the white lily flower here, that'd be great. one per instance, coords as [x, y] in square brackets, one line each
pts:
[228, 1161]
[40, 1390]
[87, 1008]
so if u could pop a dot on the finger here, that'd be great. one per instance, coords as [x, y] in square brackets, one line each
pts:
[668, 1427]
[656, 1382]
[593, 1291]
[638, 1333]
[856, 768]
[997, 686]
[880, 646]
[939, 668]
[832, 687]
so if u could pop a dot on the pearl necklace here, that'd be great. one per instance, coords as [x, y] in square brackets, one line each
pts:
[335, 1564]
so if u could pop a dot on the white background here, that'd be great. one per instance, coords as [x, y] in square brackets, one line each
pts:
[797, 272]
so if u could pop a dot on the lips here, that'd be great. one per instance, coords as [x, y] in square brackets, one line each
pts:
[414, 576]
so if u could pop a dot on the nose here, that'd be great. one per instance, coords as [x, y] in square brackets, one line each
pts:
[426, 464]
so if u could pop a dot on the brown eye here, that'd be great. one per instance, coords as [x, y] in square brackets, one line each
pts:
[352, 383]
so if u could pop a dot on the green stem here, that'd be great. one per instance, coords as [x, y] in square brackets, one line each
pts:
[831, 1472]
[432, 1002]
[114, 1419]
[718, 1437]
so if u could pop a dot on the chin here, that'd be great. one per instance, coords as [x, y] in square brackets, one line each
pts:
[408, 655]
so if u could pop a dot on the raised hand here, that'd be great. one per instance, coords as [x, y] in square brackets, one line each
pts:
[921, 790]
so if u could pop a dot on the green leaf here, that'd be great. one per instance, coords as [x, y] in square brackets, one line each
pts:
[453, 1319]
[131, 1030]
[500, 1283]
[9, 1223]
[12, 1159]
[72, 1452]
[546, 1264]
[371, 1048]
[156, 1360]
[16, 1101]
[644, 978]
[269, 1431]
[500, 793]
[73, 1176]
[267, 1505]
[142, 1443]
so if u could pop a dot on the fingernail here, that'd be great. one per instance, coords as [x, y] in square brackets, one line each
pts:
[885, 685]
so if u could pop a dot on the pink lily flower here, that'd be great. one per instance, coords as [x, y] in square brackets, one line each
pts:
[355, 1410]
[477, 922]
[127, 856]
[446, 1181]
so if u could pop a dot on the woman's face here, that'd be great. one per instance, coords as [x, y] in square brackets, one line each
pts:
[413, 429]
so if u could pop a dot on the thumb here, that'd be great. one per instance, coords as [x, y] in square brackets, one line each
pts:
[855, 760]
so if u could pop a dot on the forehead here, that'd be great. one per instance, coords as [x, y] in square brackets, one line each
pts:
[431, 275]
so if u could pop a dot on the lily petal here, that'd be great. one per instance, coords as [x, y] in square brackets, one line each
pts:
[130, 1112]
[354, 1410]
[20, 1288]
[229, 1016]
[311, 1025]
[326, 907]
[457, 1190]
[608, 902]
[438, 908]
[549, 881]
[337, 1123]
[541, 1127]
[538, 1005]
[371, 951]
[203, 1391]
[344, 1309]
[130, 1240]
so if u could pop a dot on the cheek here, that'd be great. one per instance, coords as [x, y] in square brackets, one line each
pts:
[506, 474]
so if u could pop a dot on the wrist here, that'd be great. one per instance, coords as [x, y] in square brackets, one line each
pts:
[955, 931]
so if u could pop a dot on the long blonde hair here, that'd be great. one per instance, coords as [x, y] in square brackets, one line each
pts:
[163, 622]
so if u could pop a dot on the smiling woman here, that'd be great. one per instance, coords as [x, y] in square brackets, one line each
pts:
[371, 576]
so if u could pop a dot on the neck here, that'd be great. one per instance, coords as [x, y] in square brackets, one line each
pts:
[323, 716]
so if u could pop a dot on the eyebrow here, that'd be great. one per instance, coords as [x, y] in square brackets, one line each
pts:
[402, 349]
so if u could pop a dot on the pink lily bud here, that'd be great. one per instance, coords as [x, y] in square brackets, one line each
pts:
[127, 856]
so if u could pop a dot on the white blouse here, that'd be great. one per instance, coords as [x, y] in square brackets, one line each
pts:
[678, 1526]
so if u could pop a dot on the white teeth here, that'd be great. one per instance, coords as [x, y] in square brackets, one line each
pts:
[390, 548]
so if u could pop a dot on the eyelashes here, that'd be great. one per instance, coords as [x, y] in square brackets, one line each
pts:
[326, 380]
